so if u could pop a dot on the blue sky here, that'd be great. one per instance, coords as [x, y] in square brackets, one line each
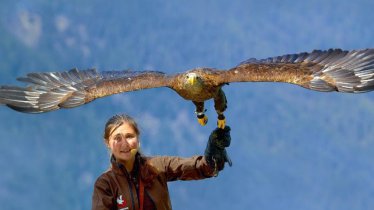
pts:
[292, 148]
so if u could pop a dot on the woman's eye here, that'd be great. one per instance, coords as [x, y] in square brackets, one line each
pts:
[117, 138]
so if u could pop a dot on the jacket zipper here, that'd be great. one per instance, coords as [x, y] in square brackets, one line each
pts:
[127, 175]
[130, 187]
[131, 193]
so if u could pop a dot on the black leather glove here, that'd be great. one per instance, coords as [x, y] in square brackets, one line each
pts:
[215, 152]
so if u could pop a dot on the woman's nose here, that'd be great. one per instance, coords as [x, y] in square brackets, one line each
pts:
[125, 143]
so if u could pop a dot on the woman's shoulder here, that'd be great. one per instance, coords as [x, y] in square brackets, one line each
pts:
[155, 158]
[158, 160]
[105, 177]
[167, 159]
[160, 157]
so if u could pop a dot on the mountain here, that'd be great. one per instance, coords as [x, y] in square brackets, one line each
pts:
[292, 148]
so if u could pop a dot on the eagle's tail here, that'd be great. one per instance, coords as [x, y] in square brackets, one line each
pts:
[343, 71]
[49, 91]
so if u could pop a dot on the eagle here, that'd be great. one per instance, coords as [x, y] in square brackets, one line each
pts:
[319, 70]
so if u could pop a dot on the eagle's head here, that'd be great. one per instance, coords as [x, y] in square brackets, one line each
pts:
[193, 81]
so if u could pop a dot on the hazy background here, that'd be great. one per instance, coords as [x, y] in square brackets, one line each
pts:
[292, 148]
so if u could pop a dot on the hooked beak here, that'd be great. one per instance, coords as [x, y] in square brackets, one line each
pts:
[192, 78]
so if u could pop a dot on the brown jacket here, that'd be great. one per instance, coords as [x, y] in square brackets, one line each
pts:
[115, 190]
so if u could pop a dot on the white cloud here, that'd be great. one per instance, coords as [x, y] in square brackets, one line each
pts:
[86, 51]
[28, 28]
[61, 23]
[185, 133]
[150, 123]
[82, 31]
[86, 179]
[122, 100]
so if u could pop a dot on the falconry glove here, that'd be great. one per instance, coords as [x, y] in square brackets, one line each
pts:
[215, 152]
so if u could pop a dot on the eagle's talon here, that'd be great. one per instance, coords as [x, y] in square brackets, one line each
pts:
[221, 123]
[203, 120]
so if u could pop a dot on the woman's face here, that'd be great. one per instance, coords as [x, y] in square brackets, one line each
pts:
[122, 141]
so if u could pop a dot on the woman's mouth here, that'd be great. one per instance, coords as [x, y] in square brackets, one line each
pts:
[129, 151]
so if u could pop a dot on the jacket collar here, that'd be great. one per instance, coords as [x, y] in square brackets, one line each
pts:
[120, 169]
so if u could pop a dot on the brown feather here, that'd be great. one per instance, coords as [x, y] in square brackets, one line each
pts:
[113, 84]
[331, 70]
[299, 74]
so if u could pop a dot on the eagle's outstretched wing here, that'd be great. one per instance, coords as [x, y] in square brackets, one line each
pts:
[331, 70]
[53, 90]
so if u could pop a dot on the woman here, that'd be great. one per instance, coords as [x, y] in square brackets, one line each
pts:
[137, 182]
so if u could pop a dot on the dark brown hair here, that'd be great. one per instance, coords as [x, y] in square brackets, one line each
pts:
[116, 121]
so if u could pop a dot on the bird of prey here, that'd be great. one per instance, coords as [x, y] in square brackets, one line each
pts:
[328, 70]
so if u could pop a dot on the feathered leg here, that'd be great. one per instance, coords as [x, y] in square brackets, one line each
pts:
[201, 117]
[220, 104]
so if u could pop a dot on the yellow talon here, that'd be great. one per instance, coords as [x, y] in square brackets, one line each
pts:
[221, 123]
[203, 120]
